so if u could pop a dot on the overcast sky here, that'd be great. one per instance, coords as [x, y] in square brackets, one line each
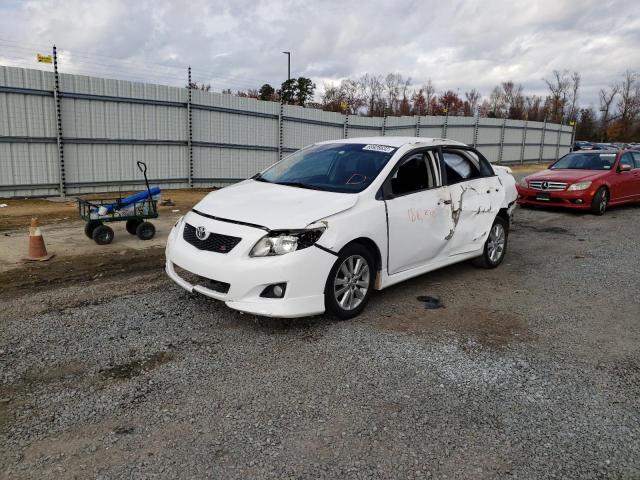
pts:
[238, 44]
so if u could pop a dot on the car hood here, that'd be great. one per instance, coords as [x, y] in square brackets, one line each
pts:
[569, 175]
[276, 207]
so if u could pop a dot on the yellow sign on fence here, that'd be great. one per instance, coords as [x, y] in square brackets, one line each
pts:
[44, 58]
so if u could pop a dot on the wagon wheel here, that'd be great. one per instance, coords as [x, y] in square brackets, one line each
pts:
[103, 235]
[145, 231]
[132, 225]
[90, 227]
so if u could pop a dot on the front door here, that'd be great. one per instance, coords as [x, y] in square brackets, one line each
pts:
[418, 210]
[628, 182]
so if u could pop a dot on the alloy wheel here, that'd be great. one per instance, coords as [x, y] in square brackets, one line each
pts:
[603, 201]
[496, 242]
[351, 282]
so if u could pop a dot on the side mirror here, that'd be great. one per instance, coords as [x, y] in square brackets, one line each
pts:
[624, 168]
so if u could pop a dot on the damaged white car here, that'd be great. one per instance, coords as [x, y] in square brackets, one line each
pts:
[321, 229]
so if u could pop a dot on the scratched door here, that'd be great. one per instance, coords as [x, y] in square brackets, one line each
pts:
[475, 204]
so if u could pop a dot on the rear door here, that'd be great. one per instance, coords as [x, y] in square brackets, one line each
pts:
[418, 211]
[477, 194]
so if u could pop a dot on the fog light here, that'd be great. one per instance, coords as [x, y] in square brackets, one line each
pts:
[274, 291]
[578, 200]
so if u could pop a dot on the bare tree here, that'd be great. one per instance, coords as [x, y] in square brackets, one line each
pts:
[606, 100]
[429, 92]
[558, 90]
[575, 86]
[473, 97]
[392, 85]
[628, 104]
[372, 88]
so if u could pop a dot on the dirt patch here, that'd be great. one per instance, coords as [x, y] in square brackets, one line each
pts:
[136, 367]
[489, 328]
[78, 270]
[54, 374]
[541, 229]
[18, 213]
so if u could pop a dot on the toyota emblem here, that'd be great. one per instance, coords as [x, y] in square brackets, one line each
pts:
[201, 233]
[545, 185]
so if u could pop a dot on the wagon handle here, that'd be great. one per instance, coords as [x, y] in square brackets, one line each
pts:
[143, 168]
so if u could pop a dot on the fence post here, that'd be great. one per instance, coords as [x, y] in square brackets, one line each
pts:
[558, 141]
[345, 127]
[444, 125]
[573, 135]
[418, 126]
[384, 125]
[280, 130]
[524, 141]
[190, 130]
[475, 128]
[504, 124]
[544, 134]
[62, 187]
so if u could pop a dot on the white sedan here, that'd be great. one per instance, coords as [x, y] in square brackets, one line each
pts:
[321, 229]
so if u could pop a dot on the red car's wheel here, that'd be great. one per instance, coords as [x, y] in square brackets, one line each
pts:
[600, 201]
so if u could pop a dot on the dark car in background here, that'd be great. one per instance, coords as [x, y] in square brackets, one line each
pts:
[585, 180]
[581, 145]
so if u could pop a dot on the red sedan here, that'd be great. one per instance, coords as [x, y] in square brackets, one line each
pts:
[585, 180]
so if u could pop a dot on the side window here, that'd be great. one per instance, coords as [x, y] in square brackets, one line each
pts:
[415, 173]
[627, 159]
[636, 157]
[459, 167]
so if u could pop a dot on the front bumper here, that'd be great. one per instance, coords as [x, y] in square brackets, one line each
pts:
[305, 272]
[580, 199]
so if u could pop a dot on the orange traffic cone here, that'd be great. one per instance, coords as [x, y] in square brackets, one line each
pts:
[37, 250]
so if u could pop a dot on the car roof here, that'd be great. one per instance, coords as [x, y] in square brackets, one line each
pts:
[396, 141]
[596, 152]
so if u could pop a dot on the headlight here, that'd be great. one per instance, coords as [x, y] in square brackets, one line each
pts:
[281, 242]
[523, 183]
[579, 186]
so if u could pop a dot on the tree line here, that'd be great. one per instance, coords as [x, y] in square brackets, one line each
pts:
[617, 117]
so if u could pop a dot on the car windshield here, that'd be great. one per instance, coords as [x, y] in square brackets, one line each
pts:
[586, 161]
[334, 167]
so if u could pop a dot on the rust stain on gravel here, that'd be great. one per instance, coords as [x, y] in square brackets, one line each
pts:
[489, 328]
[136, 367]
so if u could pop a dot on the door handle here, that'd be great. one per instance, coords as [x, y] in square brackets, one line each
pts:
[446, 202]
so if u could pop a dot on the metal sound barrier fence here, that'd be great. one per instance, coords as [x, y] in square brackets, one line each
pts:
[77, 134]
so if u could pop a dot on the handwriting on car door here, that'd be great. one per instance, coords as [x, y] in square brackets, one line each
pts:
[419, 214]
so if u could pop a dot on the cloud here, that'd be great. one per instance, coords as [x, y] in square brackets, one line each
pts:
[238, 44]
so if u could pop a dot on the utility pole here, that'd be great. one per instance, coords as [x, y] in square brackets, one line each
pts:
[288, 54]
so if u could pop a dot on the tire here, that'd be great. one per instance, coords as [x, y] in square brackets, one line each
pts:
[351, 301]
[102, 235]
[495, 247]
[132, 226]
[145, 231]
[600, 201]
[90, 227]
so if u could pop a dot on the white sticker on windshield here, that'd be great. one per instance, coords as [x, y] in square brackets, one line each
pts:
[378, 148]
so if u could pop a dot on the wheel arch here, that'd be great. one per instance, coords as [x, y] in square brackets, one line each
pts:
[370, 245]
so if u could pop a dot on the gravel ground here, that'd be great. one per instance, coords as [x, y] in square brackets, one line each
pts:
[531, 371]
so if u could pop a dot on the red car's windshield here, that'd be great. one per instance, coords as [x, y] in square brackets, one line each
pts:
[586, 161]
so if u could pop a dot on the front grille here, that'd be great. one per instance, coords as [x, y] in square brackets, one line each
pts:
[213, 242]
[546, 186]
[193, 279]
